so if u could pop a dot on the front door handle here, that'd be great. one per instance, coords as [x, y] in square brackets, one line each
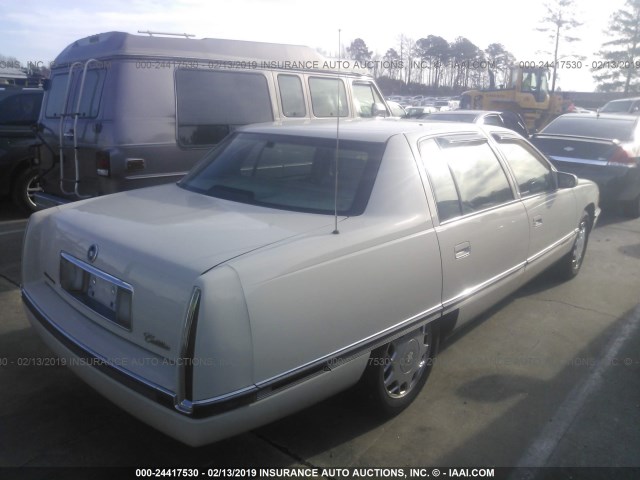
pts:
[537, 221]
[462, 250]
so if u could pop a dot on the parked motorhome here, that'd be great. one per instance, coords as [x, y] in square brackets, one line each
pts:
[125, 111]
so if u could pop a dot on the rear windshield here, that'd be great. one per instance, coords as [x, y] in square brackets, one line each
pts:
[20, 108]
[453, 117]
[617, 106]
[289, 172]
[610, 128]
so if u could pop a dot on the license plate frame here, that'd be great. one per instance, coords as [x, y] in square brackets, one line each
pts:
[106, 295]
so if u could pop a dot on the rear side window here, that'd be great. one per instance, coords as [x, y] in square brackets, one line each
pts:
[291, 96]
[212, 103]
[466, 176]
[444, 189]
[328, 97]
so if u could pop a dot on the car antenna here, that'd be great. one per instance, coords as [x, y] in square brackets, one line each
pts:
[335, 186]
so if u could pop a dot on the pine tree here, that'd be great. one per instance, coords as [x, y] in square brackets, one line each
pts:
[616, 68]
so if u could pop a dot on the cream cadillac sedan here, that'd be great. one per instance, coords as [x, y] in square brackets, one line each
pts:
[289, 265]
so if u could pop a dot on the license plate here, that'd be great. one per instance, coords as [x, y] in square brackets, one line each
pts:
[105, 294]
[102, 291]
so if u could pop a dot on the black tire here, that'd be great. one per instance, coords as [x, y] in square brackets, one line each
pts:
[398, 370]
[24, 186]
[632, 208]
[569, 266]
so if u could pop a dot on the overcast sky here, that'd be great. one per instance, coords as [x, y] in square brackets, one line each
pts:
[33, 30]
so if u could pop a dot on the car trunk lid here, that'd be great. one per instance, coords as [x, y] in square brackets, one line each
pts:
[156, 247]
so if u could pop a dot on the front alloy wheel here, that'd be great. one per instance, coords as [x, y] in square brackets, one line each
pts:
[569, 266]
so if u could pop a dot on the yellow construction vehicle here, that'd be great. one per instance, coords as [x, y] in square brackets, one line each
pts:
[526, 92]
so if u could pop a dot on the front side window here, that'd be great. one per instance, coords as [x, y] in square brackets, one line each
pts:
[289, 172]
[365, 97]
[532, 173]
[213, 103]
[328, 97]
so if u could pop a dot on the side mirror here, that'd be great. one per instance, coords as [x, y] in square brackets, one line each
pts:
[46, 84]
[566, 180]
[379, 110]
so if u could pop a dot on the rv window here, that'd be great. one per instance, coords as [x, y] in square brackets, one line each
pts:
[291, 96]
[91, 94]
[324, 97]
[55, 96]
[365, 96]
[212, 103]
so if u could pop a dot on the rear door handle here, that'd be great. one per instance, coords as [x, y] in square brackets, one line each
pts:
[462, 250]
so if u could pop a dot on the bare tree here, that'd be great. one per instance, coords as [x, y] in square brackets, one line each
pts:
[558, 20]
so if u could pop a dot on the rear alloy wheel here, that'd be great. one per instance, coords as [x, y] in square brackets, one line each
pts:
[569, 265]
[25, 186]
[398, 370]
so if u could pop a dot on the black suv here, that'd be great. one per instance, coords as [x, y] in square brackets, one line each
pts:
[19, 111]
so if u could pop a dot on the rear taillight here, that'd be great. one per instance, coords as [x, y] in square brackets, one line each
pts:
[103, 163]
[622, 158]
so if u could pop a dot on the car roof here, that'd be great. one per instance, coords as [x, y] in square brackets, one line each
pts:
[373, 130]
[600, 116]
[467, 112]
[624, 100]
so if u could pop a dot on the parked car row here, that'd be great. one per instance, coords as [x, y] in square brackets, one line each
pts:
[301, 255]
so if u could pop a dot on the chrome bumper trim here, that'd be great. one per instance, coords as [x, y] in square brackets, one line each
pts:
[182, 404]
